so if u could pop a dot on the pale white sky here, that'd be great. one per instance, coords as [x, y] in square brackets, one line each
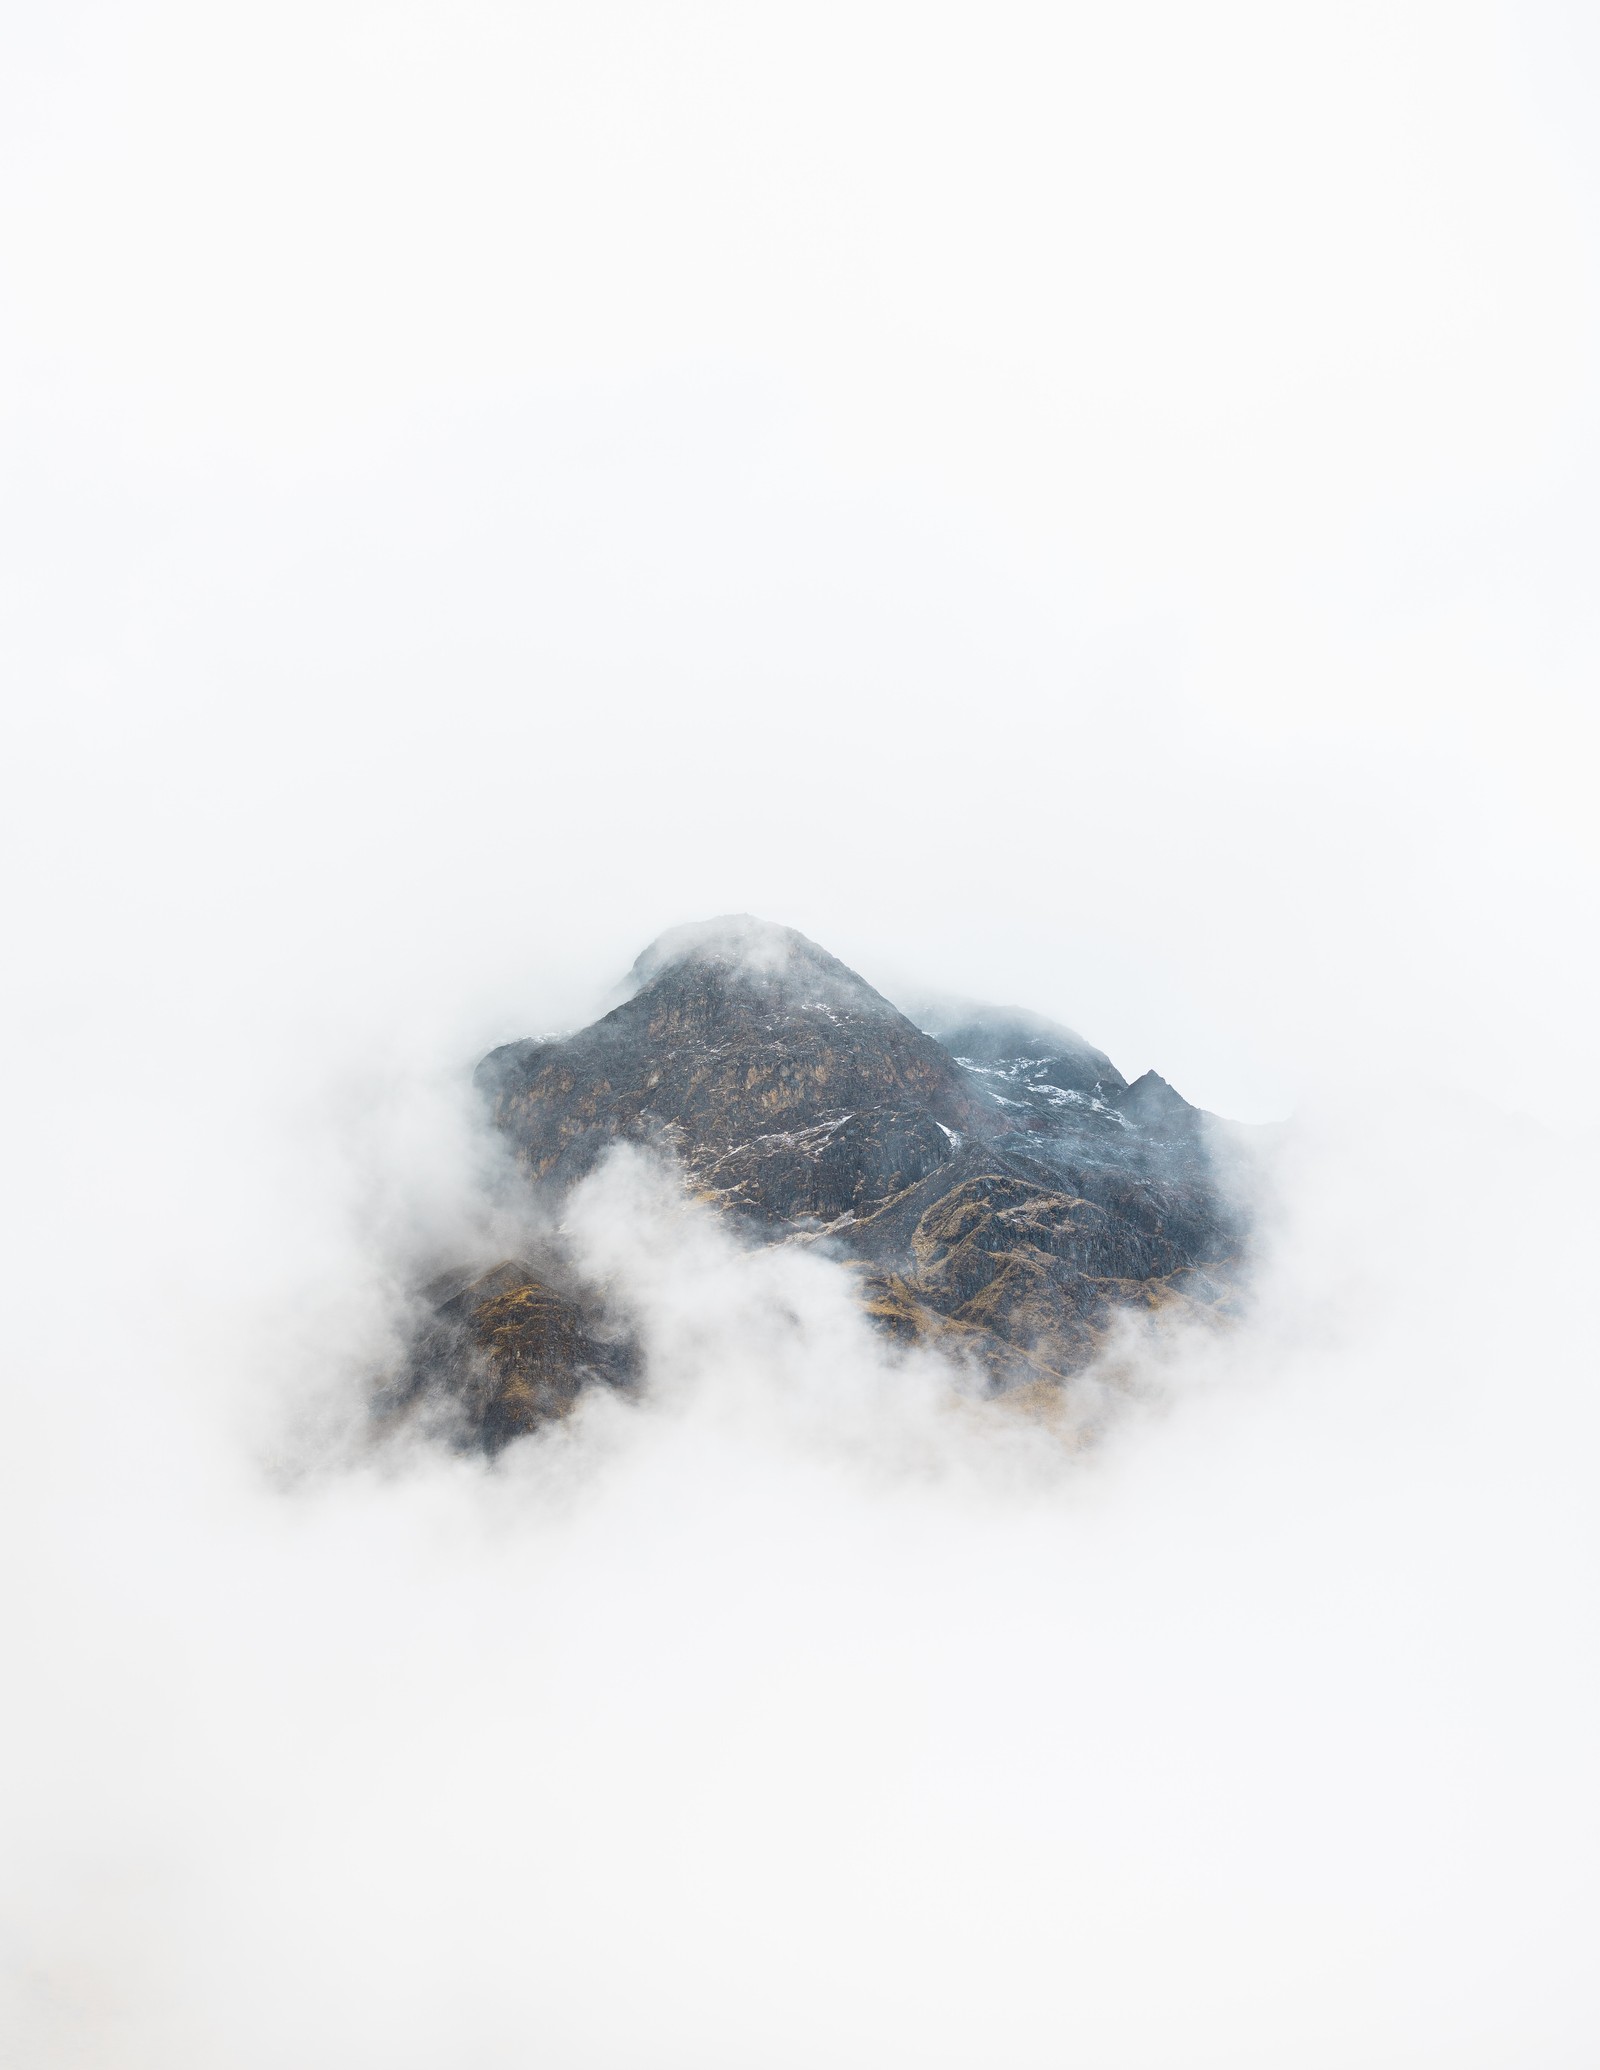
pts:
[1088, 504]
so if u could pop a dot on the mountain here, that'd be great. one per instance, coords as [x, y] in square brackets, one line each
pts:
[1009, 1039]
[789, 1088]
[992, 1181]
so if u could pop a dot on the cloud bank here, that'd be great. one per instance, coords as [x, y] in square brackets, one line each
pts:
[809, 1707]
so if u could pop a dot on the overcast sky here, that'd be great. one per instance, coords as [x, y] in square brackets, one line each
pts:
[1088, 505]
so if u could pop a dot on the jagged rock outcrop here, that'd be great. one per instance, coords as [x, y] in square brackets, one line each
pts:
[993, 1181]
[1023, 1046]
[788, 1087]
[505, 1350]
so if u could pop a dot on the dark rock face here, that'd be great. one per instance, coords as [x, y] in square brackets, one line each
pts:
[789, 1088]
[508, 1350]
[996, 1184]
[1010, 1042]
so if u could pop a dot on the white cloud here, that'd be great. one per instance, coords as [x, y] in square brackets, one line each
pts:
[804, 1708]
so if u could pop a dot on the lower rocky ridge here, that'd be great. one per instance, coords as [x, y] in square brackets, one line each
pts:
[995, 1187]
[504, 1351]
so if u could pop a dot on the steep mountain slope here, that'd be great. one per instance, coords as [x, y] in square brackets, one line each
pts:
[1009, 1042]
[787, 1085]
[993, 1181]
[505, 1350]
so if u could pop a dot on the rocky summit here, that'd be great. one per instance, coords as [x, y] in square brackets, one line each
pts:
[995, 1185]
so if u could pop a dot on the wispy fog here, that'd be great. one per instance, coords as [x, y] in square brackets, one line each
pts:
[1088, 508]
[808, 1707]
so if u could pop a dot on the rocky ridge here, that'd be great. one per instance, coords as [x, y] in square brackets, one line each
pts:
[995, 1185]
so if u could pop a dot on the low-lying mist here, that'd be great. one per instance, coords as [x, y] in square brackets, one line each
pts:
[808, 1708]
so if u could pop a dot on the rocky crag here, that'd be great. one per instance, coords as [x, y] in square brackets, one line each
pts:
[995, 1185]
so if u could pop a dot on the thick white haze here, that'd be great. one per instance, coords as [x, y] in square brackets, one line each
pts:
[1093, 507]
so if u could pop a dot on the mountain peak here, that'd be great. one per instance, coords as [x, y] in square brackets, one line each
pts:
[735, 940]
[740, 1033]
[1020, 1042]
[739, 944]
[743, 958]
[1152, 1103]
